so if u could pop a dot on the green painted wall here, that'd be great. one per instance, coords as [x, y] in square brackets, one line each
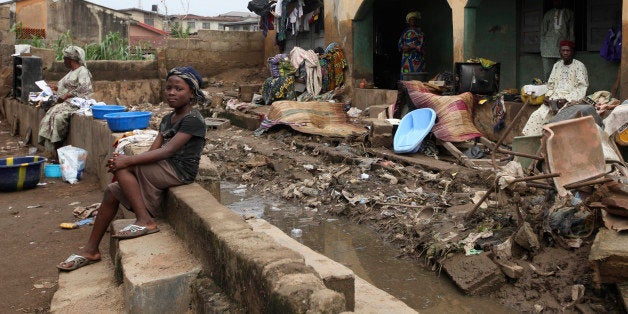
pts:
[496, 37]
[363, 46]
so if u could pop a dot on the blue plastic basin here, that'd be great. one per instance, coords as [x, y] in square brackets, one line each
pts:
[412, 129]
[99, 111]
[20, 173]
[128, 120]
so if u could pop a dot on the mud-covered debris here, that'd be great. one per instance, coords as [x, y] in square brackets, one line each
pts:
[526, 238]
[391, 179]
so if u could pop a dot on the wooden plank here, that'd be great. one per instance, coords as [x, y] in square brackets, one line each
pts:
[415, 159]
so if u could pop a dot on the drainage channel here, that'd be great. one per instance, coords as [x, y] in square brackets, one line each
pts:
[363, 251]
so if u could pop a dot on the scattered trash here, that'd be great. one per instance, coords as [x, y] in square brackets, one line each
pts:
[33, 206]
[74, 203]
[81, 212]
[364, 176]
[297, 233]
[74, 225]
[72, 160]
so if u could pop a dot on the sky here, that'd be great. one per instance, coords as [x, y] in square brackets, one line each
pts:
[197, 7]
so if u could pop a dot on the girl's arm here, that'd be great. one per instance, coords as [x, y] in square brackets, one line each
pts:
[157, 142]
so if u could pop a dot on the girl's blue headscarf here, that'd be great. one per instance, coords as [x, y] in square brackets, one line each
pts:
[190, 76]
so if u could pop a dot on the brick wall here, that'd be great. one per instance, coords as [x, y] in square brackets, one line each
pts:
[214, 52]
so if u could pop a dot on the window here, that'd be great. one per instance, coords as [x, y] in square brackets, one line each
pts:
[191, 25]
[206, 25]
[150, 22]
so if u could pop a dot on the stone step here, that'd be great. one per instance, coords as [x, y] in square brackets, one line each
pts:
[156, 270]
[90, 289]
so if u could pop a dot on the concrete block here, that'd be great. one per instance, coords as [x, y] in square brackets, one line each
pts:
[242, 120]
[247, 91]
[364, 98]
[609, 257]
[475, 275]
[217, 123]
[375, 110]
[381, 127]
[381, 141]
[335, 276]
[157, 271]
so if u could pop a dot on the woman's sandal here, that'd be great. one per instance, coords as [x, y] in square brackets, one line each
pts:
[77, 262]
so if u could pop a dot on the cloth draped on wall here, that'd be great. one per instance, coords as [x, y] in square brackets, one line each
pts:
[412, 61]
[557, 25]
[281, 83]
[312, 66]
[333, 63]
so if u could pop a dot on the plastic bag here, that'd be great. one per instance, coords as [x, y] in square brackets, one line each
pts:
[72, 160]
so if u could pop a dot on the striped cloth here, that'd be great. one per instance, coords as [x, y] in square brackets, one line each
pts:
[319, 118]
[454, 123]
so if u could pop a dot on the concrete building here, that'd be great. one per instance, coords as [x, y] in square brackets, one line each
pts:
[87, 22]
[456, 30]
[152, 18]
[233, 21]
[146, 36]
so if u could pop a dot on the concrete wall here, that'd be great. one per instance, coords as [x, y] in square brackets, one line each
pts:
[6, 21]
[29, 13]
[215, 52]
[86, 21]
[496, 38]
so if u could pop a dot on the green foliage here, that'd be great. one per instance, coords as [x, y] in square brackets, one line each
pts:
[177, 31]
[113, 46]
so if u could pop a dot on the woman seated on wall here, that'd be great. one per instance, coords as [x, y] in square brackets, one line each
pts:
[76, 83]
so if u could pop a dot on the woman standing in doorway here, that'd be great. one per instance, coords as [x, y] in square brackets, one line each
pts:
[411, 46]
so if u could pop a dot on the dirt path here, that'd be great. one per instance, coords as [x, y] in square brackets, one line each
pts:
[32, 242]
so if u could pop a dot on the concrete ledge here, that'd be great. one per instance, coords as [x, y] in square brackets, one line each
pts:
[249, 266]
[335, 276]
[157, 271]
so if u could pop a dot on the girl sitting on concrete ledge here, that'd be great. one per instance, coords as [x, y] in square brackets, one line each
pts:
[142, 179]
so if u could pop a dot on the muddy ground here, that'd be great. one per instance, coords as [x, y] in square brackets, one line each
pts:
[421, 212]
[32, 242]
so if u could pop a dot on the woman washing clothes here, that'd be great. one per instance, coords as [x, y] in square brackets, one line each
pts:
[411, 46]
[172, 160]
[53, 128]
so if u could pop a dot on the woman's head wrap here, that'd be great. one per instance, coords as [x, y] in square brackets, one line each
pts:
[415, 14]
[190, 76]
[75, 53]
[567, 43]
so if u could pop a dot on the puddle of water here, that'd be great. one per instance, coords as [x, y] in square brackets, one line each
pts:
[362, 250]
